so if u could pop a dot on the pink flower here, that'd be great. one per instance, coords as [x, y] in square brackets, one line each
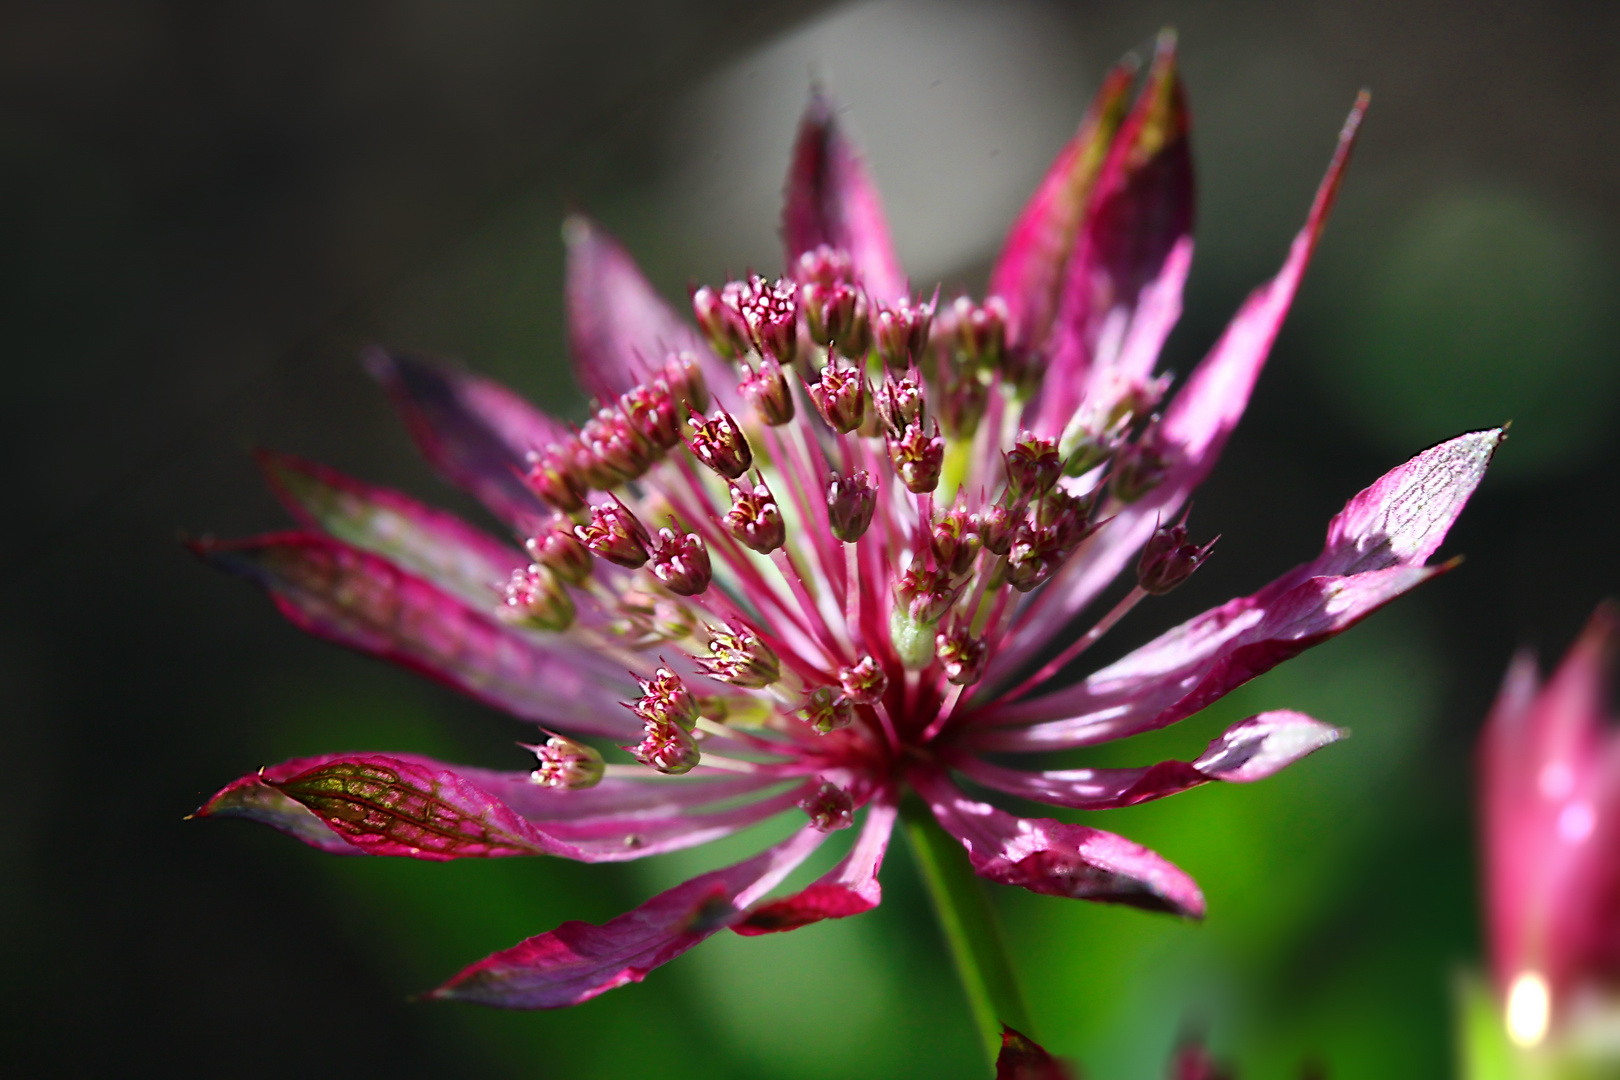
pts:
[829, 563]
[1550, 817]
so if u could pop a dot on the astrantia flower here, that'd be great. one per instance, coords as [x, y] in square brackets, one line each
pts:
[831, 531]
[1550, 820]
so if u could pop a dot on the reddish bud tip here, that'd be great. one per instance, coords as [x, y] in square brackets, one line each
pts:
[840, 396]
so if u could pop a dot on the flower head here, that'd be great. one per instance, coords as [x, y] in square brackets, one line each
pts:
[849, 605]
[1550, 818]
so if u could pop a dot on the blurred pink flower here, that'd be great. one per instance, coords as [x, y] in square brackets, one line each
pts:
[835, 591]
[1550, 819]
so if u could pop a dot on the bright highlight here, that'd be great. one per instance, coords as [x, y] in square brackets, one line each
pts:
[1529, 1008]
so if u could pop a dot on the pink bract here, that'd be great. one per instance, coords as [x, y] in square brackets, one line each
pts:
[1550, 819]
[816, 601]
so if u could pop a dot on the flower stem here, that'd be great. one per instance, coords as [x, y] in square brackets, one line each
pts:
[970, 928]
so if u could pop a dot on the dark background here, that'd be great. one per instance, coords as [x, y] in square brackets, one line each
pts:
[206, 208]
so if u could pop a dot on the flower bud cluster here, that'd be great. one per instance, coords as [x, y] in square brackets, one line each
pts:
[864, 681]
[719, 443]
[738, 657]
[621, 441]
[644, 619]
[559, 550]
[767, 390]
[900, 332]
[829, 807]
[535, 597]
[840, 395]
[615, 534]
[851, 501]
[827, 709]
[669, 714]
[1168, 559]
[754, 315]
[754, 518]
[961, 655]
[564, 763]
[681, 563]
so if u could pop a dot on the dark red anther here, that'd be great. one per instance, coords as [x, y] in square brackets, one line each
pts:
[863, 681]
[615, 534]
[954, 541]
[534, 597]
[666, 700]
[669, 748]
[901, 332]
[840, 395]
[829, 808]
[754, 518]
[721, 321]
[827, 709]
[652, 411]
[767, 390]
[918, 456]
[719, 443]
[558, 550]
[850, 502]
[681, 562]
[900, 401]
[961, 655]
[554, 477]
[1169, 559]
[1033, 466]
[683, 374]
[738, 657]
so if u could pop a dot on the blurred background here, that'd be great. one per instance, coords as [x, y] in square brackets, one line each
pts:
[206, 209]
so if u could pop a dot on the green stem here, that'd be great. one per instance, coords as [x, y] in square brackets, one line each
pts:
[970, 928]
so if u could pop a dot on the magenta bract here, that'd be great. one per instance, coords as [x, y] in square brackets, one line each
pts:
[862, 615]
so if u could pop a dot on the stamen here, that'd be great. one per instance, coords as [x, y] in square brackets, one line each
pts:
[681, 563]
[720, 444]
[840, 395]
[918, 457]
[754, 518]
[738, 657]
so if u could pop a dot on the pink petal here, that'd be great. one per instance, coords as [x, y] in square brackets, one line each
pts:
[475, 432]
[1195, 429]
[830, 199]
[577, 961]
[1199, 661]
[1028, 274]
[422, 540]
[1140, 214]
[367, 603]
[614, 821]
[1383, 534]
[849, 888]
[620, 330]
[1550, 817]
[1056, 858]
[1251, 749]
[1022, 1058]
